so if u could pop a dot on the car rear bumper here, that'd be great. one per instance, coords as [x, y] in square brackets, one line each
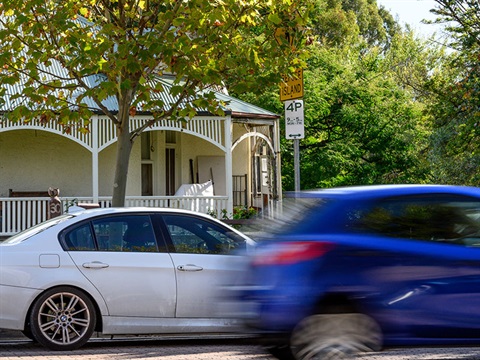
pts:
[14, 305]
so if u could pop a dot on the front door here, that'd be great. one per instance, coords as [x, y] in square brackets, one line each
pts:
[170, 187]
[205, 260]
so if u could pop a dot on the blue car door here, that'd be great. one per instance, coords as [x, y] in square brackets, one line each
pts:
[424, 261]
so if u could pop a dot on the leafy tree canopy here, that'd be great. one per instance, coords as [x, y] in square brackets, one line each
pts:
[362, 125]
[130, 43]
[456, 141]
[345, 22]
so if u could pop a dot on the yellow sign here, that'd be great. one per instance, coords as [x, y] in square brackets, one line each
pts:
[292, 87]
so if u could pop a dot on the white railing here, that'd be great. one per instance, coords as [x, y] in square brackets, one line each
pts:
[17, 214]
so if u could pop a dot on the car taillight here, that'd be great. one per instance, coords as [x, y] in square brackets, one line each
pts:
[288, 253]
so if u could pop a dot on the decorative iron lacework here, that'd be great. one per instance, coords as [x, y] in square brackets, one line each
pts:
[208, 128]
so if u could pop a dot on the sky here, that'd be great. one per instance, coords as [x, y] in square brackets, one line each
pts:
[413, 12]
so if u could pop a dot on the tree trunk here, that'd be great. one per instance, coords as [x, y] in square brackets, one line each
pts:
[124, 148]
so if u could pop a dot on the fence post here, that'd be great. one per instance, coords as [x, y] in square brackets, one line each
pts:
[54, 205]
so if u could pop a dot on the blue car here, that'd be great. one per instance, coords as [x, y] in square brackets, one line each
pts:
[360, 268]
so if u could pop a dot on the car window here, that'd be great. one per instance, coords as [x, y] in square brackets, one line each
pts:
[113, 233]
[451, 219]
[194, 235]
[125, 233]
[295, 215]
[80, 239]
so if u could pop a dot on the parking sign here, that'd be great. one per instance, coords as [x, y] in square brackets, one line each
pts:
[294, 119]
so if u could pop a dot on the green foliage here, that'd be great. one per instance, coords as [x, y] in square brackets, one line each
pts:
[462, 21]
[244, 212]
[239, 213]
[362, 124]
[51, 50]
[67, 204]
[455, 143]
[346, 22]
[201, 44]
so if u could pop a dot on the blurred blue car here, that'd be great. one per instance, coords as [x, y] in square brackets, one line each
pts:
[360, 268]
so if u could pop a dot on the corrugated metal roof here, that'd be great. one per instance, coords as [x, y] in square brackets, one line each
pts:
[239, 107]
[234, 106]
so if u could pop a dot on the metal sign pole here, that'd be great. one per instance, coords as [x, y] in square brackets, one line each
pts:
[296, 163]
[295, 130]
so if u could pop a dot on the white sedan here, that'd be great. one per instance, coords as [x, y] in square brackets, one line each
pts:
[119, 271]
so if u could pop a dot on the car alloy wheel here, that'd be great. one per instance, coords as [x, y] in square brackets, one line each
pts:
[335, 336]
[62, 319]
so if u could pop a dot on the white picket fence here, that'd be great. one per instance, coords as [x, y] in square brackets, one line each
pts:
[17, 214]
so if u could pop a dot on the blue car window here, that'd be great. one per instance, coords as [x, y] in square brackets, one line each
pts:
[432, 219]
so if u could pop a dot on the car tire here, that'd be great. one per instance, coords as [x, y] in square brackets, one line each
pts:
[335, 336]
[62, 318]
[27, 332]
[280, 352]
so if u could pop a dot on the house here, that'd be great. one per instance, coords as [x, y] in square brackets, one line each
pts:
[237, 152]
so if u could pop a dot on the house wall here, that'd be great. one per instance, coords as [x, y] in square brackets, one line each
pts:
[34, 160]
[192, 149]
[200, 150]
[187, 147]
[241, 155]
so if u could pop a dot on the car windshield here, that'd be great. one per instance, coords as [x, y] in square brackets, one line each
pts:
[25, 234]
[288, 216]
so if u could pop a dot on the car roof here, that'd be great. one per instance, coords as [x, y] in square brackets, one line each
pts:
[386, 190]
[78, 211]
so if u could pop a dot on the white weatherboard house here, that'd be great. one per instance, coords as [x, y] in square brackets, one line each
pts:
[238, 153]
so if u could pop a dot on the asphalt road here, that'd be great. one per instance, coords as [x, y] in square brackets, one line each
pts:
[198, 349]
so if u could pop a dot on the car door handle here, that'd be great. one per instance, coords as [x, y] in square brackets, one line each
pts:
[95, 265]
[189, 267]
